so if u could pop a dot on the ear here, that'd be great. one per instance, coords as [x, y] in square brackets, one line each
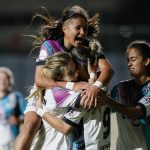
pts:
[63, 28]
[147, 61]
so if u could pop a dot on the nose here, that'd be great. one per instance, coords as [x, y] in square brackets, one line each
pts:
[82, 32]
[129, 63]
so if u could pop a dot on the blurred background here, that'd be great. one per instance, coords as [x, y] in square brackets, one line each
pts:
[121, 21]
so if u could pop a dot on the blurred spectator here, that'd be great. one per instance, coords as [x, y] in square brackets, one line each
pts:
[12, 105]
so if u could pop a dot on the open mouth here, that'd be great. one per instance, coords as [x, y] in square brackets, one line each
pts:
[131, 69]
[79, 39]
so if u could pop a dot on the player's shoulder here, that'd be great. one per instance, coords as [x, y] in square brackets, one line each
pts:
[146, 88]
[124, 83]
[127, 82]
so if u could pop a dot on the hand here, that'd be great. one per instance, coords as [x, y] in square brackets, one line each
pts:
[102, 97]
[89, 99]
[79, 86]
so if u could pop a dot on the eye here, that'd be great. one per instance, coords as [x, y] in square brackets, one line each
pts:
[133, 59]
[78, 27]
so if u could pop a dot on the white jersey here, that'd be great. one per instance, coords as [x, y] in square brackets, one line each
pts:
[93, 130]
[96, 125]
[48, 137]
[130, 133]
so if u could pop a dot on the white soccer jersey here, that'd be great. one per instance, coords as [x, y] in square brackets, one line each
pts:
[97, 129]
[95, 123]
[48, 137]
[130, 133]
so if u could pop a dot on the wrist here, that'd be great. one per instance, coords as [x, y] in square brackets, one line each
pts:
[92, 75]
[104, 88]
[41, 112]
[98, 84]
[69, 85]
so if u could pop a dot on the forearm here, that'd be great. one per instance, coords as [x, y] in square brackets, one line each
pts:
[106, 73]
[106, 76]
[46, 83]
[132, 112]
[57, 123]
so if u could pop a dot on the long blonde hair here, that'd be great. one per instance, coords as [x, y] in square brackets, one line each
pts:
[56, 67]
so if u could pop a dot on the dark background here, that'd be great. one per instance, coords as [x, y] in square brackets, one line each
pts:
[121, 21]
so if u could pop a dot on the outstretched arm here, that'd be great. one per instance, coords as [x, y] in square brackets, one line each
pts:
[132, 112]
[65, 124]
[56, 123]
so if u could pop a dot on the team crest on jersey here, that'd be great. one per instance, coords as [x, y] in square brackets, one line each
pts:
[73, 112]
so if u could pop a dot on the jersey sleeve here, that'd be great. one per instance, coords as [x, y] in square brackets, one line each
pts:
[31, 102]
[74, 115]
[145, 105]
[100, 55]
[58, 97]
[45, 51]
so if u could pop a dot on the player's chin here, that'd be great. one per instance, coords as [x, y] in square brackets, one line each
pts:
[133, 74]
[78, 44]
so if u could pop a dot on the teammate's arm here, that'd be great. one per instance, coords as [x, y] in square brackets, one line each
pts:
[57, 123]
[106, 73]
[132, 112]
[46, 83]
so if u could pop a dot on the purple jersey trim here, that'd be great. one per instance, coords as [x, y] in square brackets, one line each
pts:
[60, 95]
[56, 46]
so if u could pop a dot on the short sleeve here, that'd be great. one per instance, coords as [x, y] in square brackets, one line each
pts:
[145, 101]
[100, 55]
[74, 115]
[31, 103]
[59, 97]
[45, 51]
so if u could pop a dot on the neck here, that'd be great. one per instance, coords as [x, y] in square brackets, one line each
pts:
[66, 44]
[142, 80]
